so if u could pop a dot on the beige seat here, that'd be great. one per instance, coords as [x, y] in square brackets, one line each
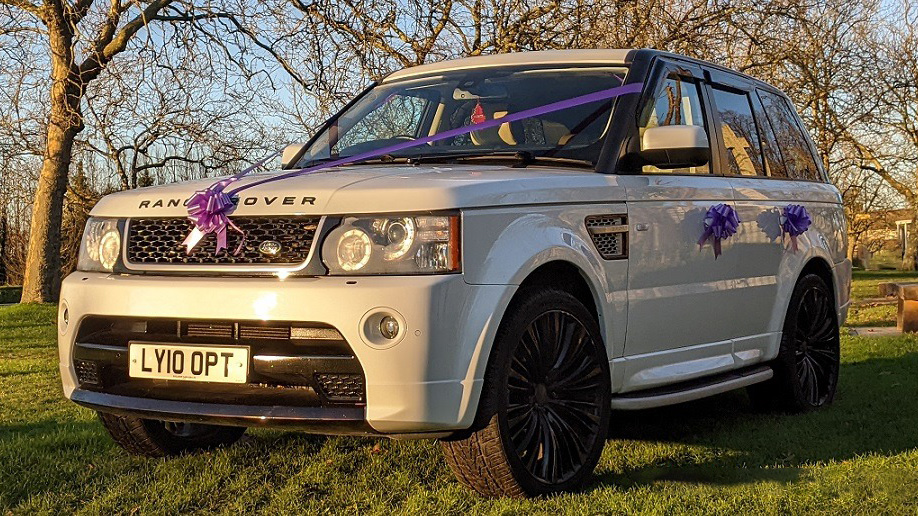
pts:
[495, 136]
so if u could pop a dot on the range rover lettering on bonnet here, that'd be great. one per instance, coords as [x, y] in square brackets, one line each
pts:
[245, 201]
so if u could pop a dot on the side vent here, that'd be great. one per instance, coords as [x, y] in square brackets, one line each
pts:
[609, 234]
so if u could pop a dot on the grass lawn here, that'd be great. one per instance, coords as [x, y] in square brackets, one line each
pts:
[864, 286]
[712, 456]
[865, 282]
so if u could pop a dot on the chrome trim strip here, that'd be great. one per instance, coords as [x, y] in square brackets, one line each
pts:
[602, 230]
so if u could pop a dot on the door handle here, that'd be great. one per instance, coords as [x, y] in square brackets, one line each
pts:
[641, 227]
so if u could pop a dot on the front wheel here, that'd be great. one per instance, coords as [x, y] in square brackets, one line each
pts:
[806, 369]
[544, 414]
[154, 438]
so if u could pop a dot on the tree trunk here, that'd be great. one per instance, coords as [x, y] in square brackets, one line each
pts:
[910, 258]
[41, 283]
[43, 269]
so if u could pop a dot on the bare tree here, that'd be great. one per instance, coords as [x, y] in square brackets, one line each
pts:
[81, 42]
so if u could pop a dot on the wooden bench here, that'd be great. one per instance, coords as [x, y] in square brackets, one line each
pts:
[907, 295]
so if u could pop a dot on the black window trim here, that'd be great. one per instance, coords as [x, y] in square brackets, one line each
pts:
[662, 68]
[723, 147]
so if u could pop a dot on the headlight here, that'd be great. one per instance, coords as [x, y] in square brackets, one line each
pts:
[423, 244]
[101, 246]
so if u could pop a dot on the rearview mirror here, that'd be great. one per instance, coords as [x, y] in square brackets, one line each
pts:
[675, 146]
[290, 153]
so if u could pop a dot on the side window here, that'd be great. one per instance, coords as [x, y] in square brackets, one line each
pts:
[399, 115]
[773, 161]
[739, 133]
[678, 103]
[792, 143]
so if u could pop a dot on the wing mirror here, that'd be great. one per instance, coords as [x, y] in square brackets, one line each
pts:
[675, 146]
[290, 153]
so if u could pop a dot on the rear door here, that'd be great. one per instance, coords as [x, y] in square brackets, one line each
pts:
[769, 166]
[680, 305]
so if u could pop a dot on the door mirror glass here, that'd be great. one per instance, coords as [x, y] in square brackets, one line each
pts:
[675, 146]
[290, 153]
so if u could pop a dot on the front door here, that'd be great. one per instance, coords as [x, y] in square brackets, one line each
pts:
[680, 303]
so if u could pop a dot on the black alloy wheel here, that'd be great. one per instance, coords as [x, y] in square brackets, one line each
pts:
[807, 367]
[816, 350]
[545, 406]
[554, 401]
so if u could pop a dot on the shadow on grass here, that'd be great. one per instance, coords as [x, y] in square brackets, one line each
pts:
[875, 412]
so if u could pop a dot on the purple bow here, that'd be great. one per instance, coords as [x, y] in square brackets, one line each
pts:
[720, 222]
[795, 221]
[209, 209]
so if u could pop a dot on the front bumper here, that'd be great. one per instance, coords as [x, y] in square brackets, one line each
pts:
[429, 381]
[324, 420]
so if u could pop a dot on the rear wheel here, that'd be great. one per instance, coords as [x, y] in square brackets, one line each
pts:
[806, 369]
[545, 411]
[154, 438]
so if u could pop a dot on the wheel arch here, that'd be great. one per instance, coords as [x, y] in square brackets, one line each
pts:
[820, 267]
[566, 276]
[560, 273]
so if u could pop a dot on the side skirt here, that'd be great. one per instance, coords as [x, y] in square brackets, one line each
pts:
[691, 390]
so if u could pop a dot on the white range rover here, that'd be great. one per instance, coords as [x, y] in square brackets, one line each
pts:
[509, 290]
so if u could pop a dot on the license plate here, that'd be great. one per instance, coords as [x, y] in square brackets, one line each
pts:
[222, 364]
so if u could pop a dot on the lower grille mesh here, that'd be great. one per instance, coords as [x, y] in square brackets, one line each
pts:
[264, 332]
[87, 372]
[222, 331]
[340, 386]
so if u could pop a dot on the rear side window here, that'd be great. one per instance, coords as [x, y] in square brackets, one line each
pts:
[774, 163]
[798, 159]
[679, 103]
[739, 134]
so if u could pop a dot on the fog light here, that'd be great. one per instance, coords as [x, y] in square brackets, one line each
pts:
[388, 327]
[63, 317]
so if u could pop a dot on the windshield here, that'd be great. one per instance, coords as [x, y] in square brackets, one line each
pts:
[408, 109]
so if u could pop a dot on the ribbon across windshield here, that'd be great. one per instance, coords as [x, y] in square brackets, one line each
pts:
[210, 209]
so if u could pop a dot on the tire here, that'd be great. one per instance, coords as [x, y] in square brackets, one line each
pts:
[807, 366]
[154, 438]
[544, 413]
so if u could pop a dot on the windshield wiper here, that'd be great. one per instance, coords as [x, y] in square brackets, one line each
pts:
[522, 158]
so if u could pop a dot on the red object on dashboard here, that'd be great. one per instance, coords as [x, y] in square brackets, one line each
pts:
[478, 115]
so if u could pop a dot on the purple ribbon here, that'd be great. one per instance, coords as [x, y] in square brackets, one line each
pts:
[720, 222]
[210, 208]
[795, 221]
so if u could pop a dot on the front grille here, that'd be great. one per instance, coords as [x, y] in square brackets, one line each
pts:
[341, 387]
[159, 241]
